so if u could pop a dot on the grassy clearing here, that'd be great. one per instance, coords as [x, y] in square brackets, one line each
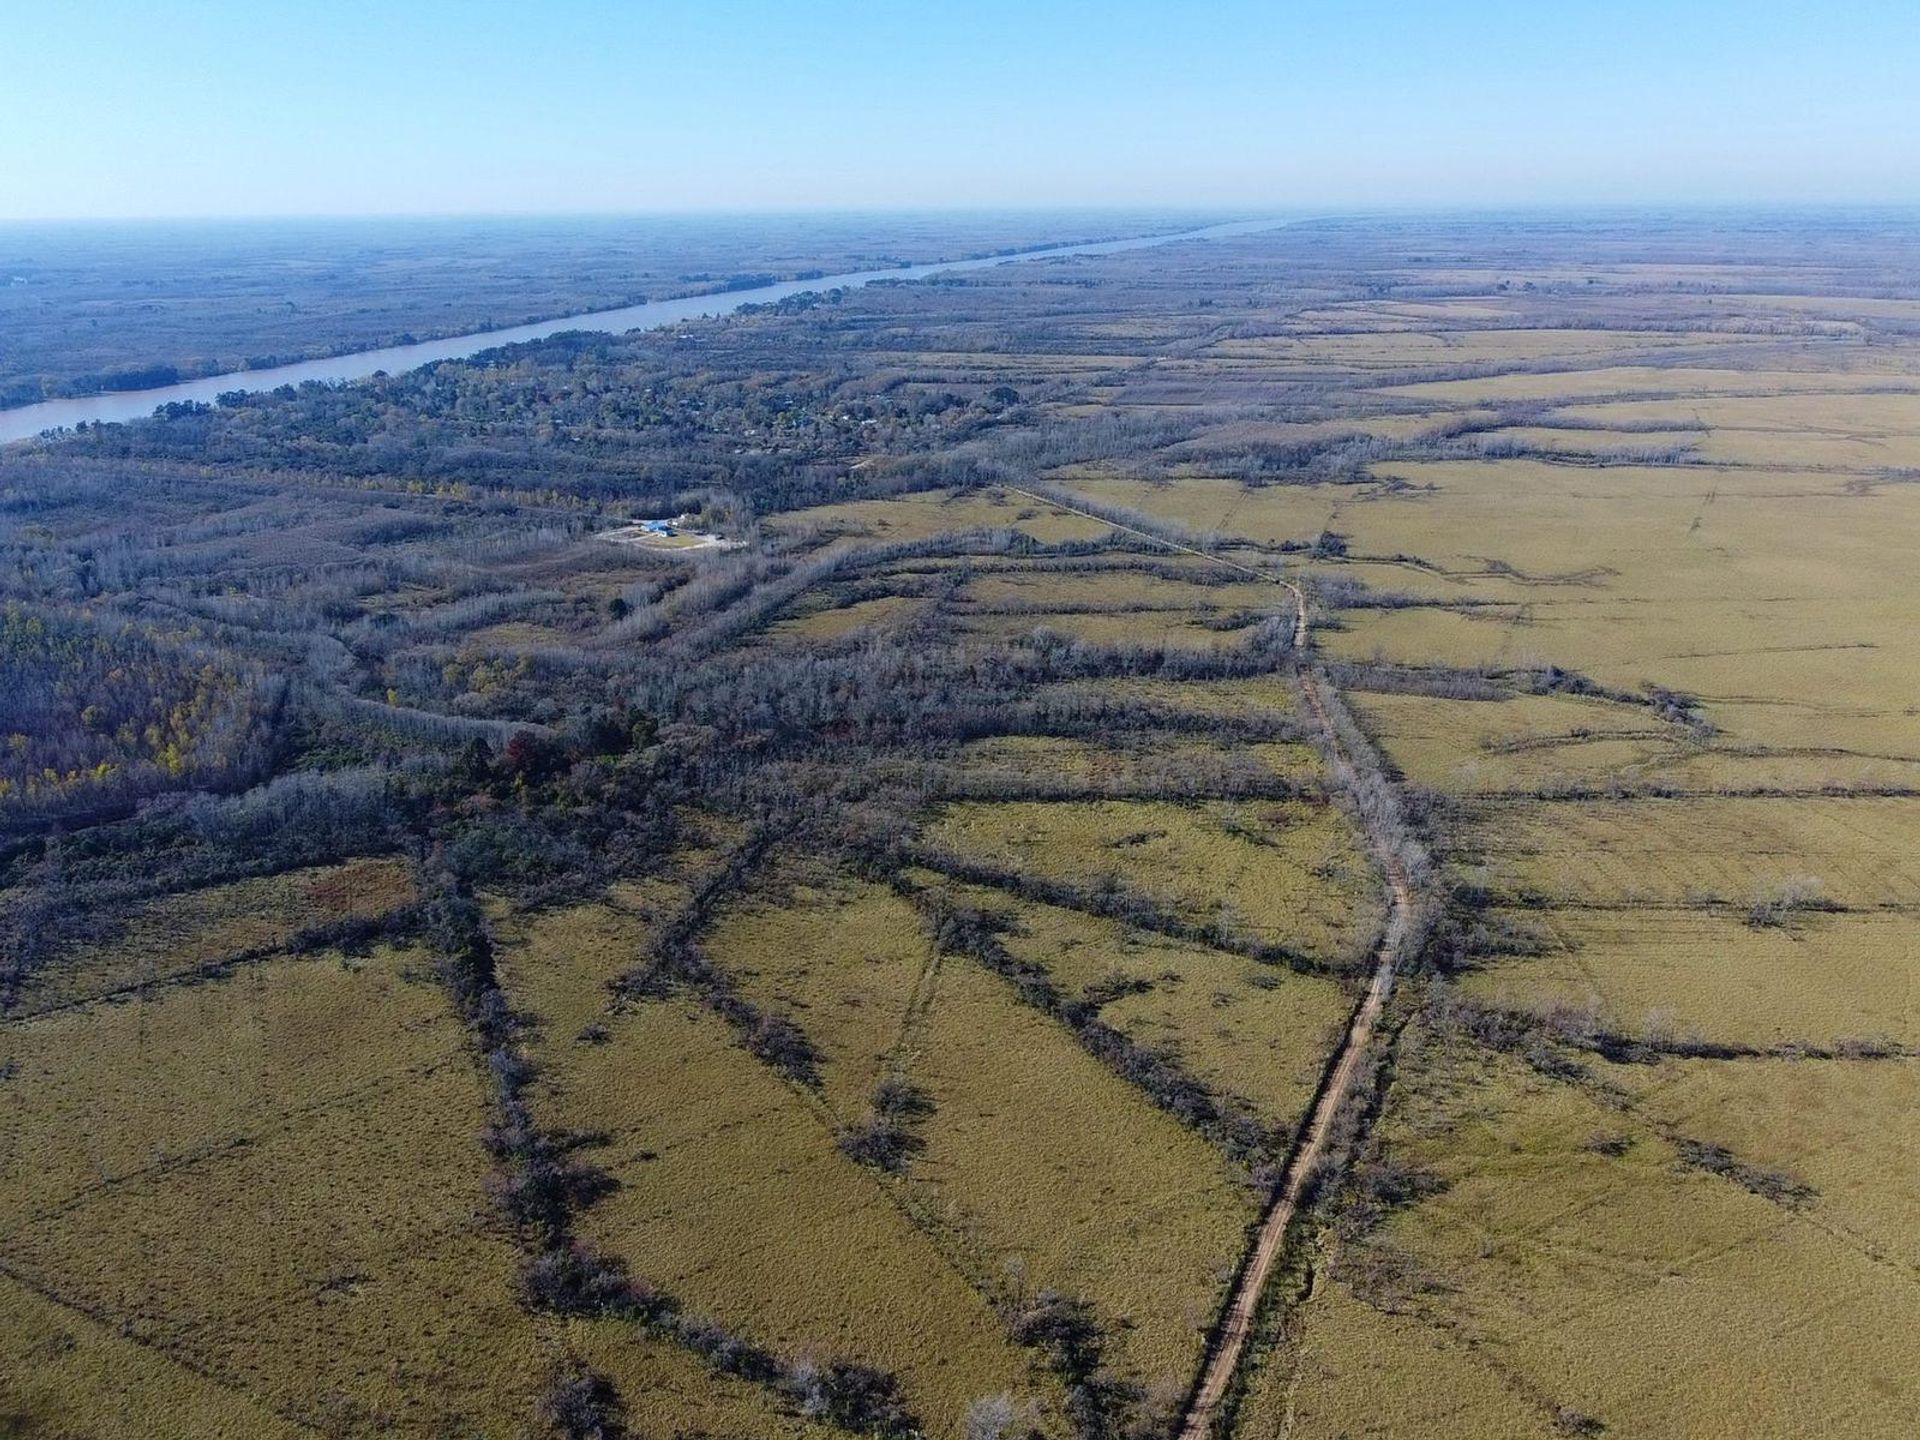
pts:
[1399, 350]
[1555, 743]
[1821, 980]
[1243, 1028]
[273, 1182]
[1492, 636]
[69, 1374]
[1225, 438]
[1864, 431]
[837, 622]
[1197, 630]
[1049, 1171]
[670, 1391]
[1856, 852]
[1850, 1129]
[1630, 380]
[1172, 628]
[516, 635]
[1138, 760]
[1217, 506]
[1283, 872]
[1629, 1288]
[1528, 743]
[1120, 589]
[1354, 1371]
[735, 1199]
[844, 959]
[1262, 696]
[102, 1095]
[170, 937]
[557, 963]
[1036, 756]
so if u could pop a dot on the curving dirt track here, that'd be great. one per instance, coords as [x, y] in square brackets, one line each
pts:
[1236, 1326]
[1229, 1342]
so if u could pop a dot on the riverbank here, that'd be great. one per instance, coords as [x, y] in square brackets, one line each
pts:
[26, 421]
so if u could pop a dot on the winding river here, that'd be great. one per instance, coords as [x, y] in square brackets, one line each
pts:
[25, 421]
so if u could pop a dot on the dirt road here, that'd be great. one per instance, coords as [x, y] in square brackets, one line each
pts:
[1236, 1326]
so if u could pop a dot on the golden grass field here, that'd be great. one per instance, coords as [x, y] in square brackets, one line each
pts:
[1553, 1285]
[1631, 1290]
[1250, 1029]
[261, 1193]
[1662, 1100]
[1281, 872]
[739, 1202]
[1051, 1173]
[168, 938]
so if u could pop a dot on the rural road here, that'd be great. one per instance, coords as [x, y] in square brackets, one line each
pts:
[1236, 1326]
[1229, 1342]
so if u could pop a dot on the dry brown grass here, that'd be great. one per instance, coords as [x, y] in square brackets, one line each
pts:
[169, 937]
[271, 1186]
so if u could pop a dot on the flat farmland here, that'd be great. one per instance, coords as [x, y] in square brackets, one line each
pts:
[888, 975]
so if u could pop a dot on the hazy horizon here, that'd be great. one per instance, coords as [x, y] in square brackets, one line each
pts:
[227, 111]
[1117, 211]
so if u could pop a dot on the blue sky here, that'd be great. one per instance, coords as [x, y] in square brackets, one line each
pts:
[204, 107]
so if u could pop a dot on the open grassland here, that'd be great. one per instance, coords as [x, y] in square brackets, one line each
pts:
[840, 979]
[848, 961]
[1180, 629]
[1850, 851]
[1520, 745]
[1036, 1168]
[1396, 350]
[1117, 589]
[1860, 431]
[1050, 1172]
[1251, 1030]
[733, 1195]
[559, 963]
[1847, 1128]
[169, 938]
[265, 1191]
[1260, 697]
[1221, 507]
[1332, 1381]
[735, 1198]
[1580, 1264]
[670, 1391]
[1835, 372]
[1135, 763]
[1278, 872]
[837, 622]
[1823, 980]
[1528, 745]
[72, 1374]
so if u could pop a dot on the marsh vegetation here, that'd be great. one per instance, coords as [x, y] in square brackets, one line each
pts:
[871, 980]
